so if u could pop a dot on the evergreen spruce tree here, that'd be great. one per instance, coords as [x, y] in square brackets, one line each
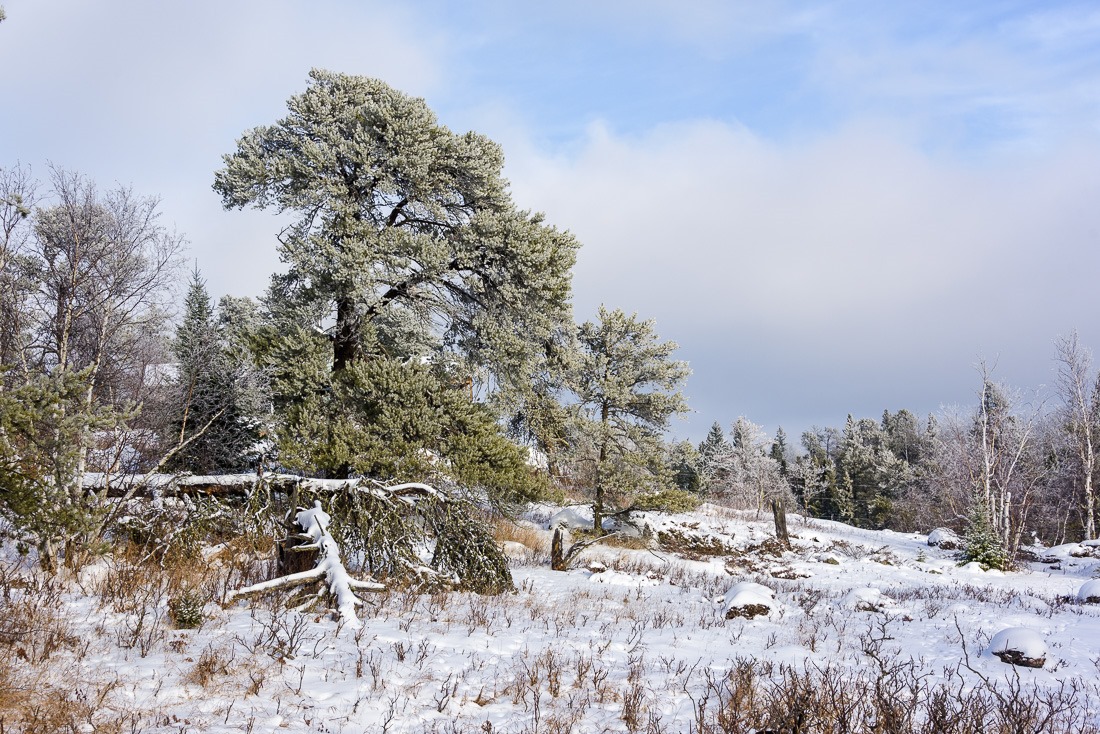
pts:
[779, 450]
[210, 392]
[683, 462]
[983, 544]
[711, 449]
[873, 473]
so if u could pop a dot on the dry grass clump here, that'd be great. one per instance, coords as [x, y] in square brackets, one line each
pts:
[212, 664]
[524, 533]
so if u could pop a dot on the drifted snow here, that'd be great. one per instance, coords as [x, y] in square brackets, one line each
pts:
[945, 538]
[573, 518]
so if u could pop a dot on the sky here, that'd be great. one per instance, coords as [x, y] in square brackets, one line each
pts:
[832, 207]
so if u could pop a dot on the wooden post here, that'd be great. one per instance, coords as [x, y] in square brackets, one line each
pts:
[779, 514]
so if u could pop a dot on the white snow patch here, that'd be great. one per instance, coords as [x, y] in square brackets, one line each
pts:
[869, 599]
[945, 538]
[572, 518]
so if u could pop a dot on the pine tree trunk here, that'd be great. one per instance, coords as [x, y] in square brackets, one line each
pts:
[597, 505]
[345, 343]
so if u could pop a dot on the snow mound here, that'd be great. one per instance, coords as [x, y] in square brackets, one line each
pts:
[572, 518]
[945, 538]
[748, 599]
[869, 599]
[617, 578]
[1071, 550]
[1090, 592]
[1019, 646]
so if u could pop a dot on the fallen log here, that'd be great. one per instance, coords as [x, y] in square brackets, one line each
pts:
[243, 485]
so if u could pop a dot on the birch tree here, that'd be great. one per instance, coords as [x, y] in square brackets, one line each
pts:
[1079, 390]
[997, 454]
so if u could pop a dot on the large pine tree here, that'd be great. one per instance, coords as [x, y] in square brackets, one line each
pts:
[403, 228]
[410, 273]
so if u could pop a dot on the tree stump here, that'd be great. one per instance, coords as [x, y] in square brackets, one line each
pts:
[779, 514]
[557, 553]
[291, 558]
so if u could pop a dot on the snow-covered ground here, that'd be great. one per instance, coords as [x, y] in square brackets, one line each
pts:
[857, 619]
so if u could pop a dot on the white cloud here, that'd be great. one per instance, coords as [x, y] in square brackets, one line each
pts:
[855, 259]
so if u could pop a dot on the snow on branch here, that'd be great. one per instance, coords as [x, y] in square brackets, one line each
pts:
[314, 523]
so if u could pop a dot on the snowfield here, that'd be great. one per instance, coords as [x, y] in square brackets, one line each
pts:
[879, 626]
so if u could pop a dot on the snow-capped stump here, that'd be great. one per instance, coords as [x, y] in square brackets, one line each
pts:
[748, 600]
[945, 539]
[1089, 592]
[596, 567]
[869, 599]
[1019, 646]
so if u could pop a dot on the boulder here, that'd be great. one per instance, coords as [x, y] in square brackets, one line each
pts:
[572, 518]
[748, 600]
[945, 539]
[869, 599]
[1019, 646]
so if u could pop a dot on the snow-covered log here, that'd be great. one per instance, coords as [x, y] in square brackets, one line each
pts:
[314, 523]
[243, 485]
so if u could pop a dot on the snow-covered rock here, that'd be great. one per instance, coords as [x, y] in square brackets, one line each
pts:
[1019, 646]
[748, 599]
[869, 599]
[945, 539]
[1090, 592]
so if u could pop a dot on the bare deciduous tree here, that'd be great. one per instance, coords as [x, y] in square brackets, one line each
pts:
[95, 273]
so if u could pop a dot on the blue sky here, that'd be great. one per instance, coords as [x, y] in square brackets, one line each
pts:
[833, 207]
